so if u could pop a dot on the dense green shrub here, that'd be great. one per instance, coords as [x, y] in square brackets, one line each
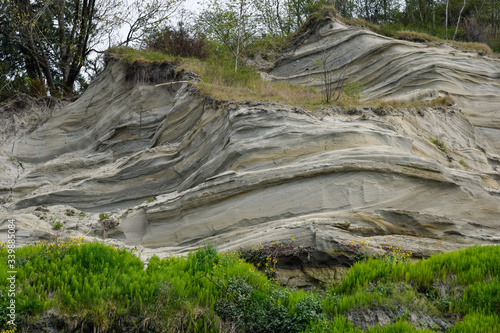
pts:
[108, 287]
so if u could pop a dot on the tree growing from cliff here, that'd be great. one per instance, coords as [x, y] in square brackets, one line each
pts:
[334, 81]
[236, 24]
[230, 23]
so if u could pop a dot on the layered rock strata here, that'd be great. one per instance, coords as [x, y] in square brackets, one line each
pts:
[181, 169]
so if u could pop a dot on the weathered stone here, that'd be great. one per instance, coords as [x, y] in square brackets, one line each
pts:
[236, 174]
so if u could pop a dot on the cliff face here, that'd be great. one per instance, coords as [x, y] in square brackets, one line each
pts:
[236, 174]
[392, 69]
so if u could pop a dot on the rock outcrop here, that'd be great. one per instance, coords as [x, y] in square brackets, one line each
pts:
[182, 169]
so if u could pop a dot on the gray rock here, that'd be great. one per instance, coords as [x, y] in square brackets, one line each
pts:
[236, 174]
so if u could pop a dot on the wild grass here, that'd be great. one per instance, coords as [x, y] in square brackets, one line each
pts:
[422, 37]
[109, 289]
[463, 282]
[130, 55]
[219, 80]
[397, 31]
[463, 163]
[440, 144]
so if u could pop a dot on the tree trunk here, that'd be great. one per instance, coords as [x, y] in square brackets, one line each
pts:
[458, 21]
[446, 20]
[240, 22]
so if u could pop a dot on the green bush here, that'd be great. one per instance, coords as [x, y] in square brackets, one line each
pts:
[106, 286]
[57, 225]
[103, 216]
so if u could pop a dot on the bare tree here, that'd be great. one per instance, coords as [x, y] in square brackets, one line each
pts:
[446, 19]
[139, 16]
[334, 84]
[458, 21]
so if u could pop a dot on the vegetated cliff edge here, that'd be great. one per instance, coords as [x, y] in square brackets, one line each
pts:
[236, 174]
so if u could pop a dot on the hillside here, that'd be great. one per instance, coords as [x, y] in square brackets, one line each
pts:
[171, 169]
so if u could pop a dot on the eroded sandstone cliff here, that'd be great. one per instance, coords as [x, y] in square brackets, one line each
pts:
[182, 169]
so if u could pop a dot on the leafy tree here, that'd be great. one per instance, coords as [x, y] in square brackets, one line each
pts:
[54, 38]
[230, 23]
[282, 17]
[236, 24]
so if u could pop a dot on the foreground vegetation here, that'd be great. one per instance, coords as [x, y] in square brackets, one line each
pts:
[90, 286]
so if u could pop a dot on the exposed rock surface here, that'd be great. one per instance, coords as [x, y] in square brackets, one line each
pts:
[181, 169]
[392, 69]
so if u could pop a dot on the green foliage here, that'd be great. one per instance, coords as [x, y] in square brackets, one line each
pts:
[57, 225]
[483, 296]
[353, 89]
[106, 286]
[468, 277]
[394, 255]
[477, 322]
[360, 249]
[221, 71]
[266, 257]
[255, 311]
[103, 216]
[462, 162]
[439, 144]
[180, 41]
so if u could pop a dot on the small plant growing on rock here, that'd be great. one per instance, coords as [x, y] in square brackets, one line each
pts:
[360, 249]
[103, 216]
[464, 164]
[69, 212]
[108, 222]
[439, 144]
[57, 225]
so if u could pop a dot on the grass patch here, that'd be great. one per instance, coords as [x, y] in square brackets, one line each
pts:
[57, 225]
[219, 80]
[463, 282]
[421, 37]
[440, 144]
[463, 163]
[398, 32]
[130, 55]
[108, 289]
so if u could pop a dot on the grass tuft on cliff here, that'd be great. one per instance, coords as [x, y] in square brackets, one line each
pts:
[91, 286]
[219, 81]
[394, 31]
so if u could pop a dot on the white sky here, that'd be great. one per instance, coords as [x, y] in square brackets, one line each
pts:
[193, 5]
